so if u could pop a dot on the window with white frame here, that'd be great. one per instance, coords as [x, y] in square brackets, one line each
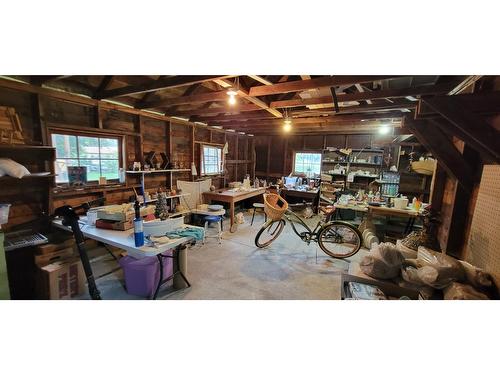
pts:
[100, 155]
[308, 163]
[211, 160]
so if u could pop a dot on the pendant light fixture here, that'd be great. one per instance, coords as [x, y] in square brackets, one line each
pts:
[287, 123]
[233, 91]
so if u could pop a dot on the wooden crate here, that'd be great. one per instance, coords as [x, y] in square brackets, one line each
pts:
[11, 131]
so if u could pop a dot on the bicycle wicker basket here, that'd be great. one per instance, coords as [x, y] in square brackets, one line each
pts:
[271, 207]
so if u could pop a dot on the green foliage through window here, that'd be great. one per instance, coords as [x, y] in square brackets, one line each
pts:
[308, 163]
[99, 155]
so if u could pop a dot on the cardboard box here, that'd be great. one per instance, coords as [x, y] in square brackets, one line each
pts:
[62, 254]
[115, 225]
[124, 216]
[54, 247]
[64, 279]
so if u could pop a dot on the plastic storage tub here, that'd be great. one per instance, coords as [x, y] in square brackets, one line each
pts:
[142, 275]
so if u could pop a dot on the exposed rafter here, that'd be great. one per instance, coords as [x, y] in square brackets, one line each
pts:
[40, 80]
[469, 127]
[379, 94]
[315, 83]
[164, 83]
[262, 80]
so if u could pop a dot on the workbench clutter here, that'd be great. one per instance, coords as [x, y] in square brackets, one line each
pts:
[433, 274]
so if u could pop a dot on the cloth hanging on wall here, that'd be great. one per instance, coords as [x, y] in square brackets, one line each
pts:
[195, 190]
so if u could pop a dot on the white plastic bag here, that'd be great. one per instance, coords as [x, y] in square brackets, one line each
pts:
[462, 292]
[438, 270]
[383, 262]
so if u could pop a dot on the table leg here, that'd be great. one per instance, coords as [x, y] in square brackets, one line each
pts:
[232, 227]
[160, 280]
[180, 281]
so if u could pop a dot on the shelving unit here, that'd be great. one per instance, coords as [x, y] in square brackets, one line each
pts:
[35, 188]
[144, 173]
[333, 157]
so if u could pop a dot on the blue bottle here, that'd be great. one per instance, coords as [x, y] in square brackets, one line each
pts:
[138, 227]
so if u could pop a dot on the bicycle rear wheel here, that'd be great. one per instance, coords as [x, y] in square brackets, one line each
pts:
[339, 240]
[269, 232]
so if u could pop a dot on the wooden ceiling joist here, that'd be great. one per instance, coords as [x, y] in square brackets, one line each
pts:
[162, 84]
[262, 80]
[216, 96]
[218, 110]
[354, 119]
[372, 95]
[315, 83]
[443, 149]
[468, 126]
[40, 80]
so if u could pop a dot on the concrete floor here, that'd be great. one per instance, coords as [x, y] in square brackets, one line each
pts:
[237, 269]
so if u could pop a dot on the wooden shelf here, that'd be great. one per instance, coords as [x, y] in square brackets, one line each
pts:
[63, 192]
[28, 177]
[159, 171]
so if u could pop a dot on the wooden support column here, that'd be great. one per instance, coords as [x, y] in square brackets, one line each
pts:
[39, 119]
[192, 149]
[236, 157]
[98, 116]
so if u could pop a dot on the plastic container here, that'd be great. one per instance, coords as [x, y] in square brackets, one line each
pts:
[142, 275]
[4, 213]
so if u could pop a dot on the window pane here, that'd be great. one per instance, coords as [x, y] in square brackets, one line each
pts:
[62, 169]
[308, 163]
[93, 169]
[65, 145]
[108, 148]
[88, 148]
[109, 169]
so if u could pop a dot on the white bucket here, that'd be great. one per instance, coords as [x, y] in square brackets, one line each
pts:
[400, 203]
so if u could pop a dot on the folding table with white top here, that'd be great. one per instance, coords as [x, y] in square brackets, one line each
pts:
[125, 241]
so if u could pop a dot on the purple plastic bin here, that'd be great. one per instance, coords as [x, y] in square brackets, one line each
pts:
[142, 275]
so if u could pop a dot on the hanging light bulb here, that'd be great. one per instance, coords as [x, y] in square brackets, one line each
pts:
[232, 96]
[287, 123]
[233, 91]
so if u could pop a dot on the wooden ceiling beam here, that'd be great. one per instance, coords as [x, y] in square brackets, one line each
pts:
[215, 96]
[258, 102]
[40, 80]
[314, 120]
[332, 128]
[482, 103]
[371, 95]
[262, 80]
[218, 110]
[105, 82]
[469, 127]
[443, 149]
[161, 84]
[315, 83]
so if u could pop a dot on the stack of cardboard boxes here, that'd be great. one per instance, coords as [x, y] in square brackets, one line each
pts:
[60, 272]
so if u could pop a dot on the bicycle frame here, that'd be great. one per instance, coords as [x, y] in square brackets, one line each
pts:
[311, 234]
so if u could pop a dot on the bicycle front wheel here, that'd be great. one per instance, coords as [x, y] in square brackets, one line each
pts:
[339, 240]
[269, 232]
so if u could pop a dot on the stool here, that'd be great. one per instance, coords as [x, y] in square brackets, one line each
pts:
[255, 206]
[213, 219]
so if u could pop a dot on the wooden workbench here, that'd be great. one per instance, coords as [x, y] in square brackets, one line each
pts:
[230, 196]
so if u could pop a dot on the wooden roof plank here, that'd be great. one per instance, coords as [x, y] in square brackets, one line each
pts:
[315, 83]
[366, 95]
[161, 84]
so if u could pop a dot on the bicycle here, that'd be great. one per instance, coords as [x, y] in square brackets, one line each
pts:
[337, 239]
